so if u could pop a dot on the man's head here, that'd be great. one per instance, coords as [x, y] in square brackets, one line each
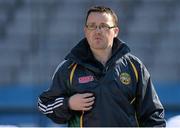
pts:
[101, 27]
[102, 9]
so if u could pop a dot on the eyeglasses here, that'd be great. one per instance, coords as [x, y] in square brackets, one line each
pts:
[104, 27]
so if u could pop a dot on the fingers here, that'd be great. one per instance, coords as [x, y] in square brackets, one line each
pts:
[81, 101]
[87, 108]
[89, 104]
[87, 100]
[85, 95]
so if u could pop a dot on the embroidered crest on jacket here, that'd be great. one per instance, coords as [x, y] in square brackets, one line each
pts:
[125, 78]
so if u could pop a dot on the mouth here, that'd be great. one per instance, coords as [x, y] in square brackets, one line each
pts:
[98, 38]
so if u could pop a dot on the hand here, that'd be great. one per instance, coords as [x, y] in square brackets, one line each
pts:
[81, 102]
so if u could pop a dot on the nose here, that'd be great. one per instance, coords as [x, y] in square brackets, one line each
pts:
[98, 29]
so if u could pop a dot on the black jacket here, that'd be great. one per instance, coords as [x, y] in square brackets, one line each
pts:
[125, 95]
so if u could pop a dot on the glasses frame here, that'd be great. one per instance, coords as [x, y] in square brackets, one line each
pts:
[100, 27]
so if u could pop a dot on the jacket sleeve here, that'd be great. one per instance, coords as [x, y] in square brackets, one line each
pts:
[149, 110]
[54, 102]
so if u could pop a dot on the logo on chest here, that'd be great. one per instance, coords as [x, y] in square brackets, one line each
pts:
[85, 79]
[125, 78]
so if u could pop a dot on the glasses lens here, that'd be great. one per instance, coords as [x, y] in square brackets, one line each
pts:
[91, 26]
[101, 26]
[104, 27]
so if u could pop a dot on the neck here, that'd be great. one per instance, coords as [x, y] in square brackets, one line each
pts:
[102, 55]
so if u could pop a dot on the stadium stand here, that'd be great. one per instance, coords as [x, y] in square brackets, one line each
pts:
[35, 35]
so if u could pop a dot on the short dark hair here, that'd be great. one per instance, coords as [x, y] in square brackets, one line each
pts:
[102, 9]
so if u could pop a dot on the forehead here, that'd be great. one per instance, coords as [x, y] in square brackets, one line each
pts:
[99, 17]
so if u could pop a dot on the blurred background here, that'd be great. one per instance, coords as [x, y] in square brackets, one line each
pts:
[35, 35]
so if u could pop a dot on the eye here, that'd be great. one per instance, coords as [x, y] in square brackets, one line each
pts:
[91, 26]
[104, 26]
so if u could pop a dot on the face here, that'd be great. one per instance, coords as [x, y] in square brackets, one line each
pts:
[100, 38]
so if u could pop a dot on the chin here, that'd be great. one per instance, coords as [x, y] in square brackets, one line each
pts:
[97, 44]
[98, 47]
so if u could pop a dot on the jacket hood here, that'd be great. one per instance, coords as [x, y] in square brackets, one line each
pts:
[82, 54]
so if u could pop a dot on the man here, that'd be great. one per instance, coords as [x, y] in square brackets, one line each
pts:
[100, 83]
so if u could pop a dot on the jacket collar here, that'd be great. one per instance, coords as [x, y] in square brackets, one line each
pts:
[82, 54]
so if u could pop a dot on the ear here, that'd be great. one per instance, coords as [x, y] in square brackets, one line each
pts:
[116, 31]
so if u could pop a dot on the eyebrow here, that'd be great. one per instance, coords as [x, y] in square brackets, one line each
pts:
[99, 24]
